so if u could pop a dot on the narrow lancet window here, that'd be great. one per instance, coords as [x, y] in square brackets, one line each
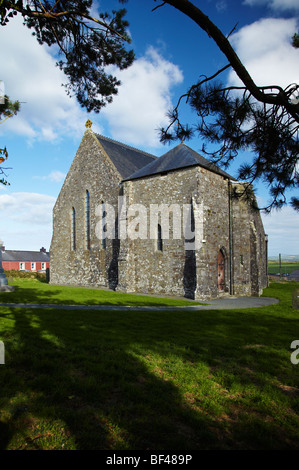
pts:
[159, 239]
[74, 241]
[87, 215]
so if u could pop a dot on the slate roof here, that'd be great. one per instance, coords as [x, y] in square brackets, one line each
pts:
[179, 157]
[126, 159]
[31, 256]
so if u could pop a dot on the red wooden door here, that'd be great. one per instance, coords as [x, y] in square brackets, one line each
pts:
[220, 271]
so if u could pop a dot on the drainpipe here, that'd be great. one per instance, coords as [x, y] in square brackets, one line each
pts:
[231, 290]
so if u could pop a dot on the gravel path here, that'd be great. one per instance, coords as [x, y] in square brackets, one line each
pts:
[223, 304]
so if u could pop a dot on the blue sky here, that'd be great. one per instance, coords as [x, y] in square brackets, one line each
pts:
[171, 53]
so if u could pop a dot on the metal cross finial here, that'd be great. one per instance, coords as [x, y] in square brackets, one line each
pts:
[88, 124]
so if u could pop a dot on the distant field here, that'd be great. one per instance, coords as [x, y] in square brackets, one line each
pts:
[286, 267]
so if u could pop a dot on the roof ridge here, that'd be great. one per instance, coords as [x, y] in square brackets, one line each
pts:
[125, 145]
[26, 251]
[177, 158]
[210, 164]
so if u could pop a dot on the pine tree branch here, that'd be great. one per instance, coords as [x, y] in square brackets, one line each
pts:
[51, 15]
[203, 21]
[188, 94]
[7, 117]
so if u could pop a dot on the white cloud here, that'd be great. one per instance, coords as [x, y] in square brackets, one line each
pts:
[29, 208]
[28, 220]
[278, 5]
[31, 76]
[221, 6]
[55, 176]
[282, 227]
[265, 49]
[143, 99]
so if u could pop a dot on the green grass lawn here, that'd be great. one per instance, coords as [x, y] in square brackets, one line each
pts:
[167, 380]
[38, 292]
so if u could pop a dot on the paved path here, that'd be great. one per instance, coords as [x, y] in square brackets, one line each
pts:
[223, 304]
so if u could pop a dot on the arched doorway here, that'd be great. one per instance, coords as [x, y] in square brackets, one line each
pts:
[220, 271]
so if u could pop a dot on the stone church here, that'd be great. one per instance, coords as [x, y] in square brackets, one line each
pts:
[174, 225]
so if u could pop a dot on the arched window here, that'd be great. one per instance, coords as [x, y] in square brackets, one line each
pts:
[159, 239]
[73, 229]
[87, 219]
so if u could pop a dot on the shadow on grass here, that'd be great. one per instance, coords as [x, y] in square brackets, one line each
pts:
[150, 381]
[38, 292]
[103, 395]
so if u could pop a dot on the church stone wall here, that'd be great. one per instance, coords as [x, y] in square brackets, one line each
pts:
[143, 267]
[224, 225]
[249, 249]
[228, 225]
[176, 271]
[90, 171]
